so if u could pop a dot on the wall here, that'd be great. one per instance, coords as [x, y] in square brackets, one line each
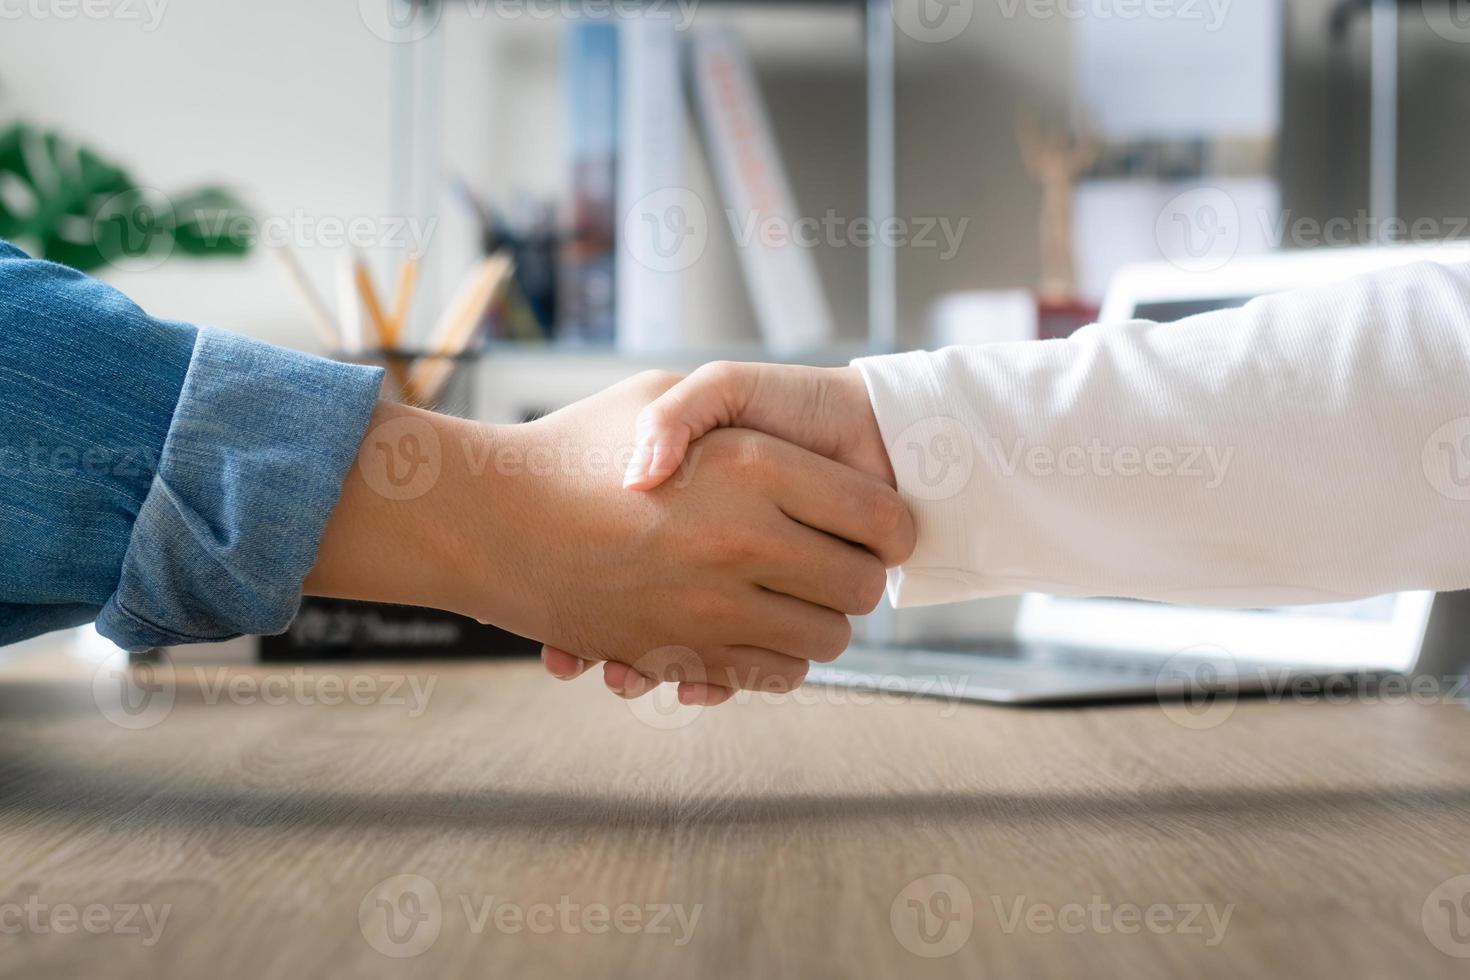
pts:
[283, 101]
[1325, 124]
[286, 101]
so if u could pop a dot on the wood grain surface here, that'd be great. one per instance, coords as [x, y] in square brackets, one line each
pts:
[285, 822]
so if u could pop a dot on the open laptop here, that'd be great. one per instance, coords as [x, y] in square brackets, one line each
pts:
[1067, 650]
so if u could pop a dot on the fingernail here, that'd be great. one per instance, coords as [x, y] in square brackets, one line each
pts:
[656, 468]
[666, 460]
[637, 470]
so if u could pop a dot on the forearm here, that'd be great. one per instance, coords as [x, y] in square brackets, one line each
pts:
[409, 527]
[1289, 451]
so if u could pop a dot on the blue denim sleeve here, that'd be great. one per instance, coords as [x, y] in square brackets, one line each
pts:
[170, 482]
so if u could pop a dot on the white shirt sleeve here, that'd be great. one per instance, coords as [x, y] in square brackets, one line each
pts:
[1312, 446]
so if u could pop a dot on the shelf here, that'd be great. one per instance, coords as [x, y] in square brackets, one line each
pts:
[834, 355]
[570, 5]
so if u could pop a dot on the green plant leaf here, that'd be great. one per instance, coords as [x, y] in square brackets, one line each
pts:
[211, 222]
[72, 206]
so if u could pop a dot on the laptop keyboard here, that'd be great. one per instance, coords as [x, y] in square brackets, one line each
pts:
[1031, 656]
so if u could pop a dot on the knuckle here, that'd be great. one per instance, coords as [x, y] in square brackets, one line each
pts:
[886, 512]
[857, 584]
[653, 383]
[732, 544]
[656, 378]
[766, 679]
[747, 669]
[717, 373]
[831, 639]
[750, 453]
[787, 678]
[743, 547]
[872, 583]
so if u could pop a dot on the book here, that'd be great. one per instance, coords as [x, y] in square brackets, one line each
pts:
[342, 629]
[780, 273]
[651, 185]
[586, 307]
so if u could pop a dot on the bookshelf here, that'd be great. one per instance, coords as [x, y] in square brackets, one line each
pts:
[415, 124]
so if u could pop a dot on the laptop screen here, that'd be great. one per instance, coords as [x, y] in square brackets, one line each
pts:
[1167, 311]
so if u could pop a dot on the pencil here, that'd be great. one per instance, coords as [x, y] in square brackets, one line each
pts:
[456, 328]
[370, 305]
[408, 275]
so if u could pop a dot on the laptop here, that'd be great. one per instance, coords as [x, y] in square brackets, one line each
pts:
[1069, 651]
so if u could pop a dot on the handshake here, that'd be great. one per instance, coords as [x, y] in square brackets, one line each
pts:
[757, 512]
[715, 532]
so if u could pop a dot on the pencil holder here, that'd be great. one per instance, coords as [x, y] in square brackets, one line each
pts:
[439, 382]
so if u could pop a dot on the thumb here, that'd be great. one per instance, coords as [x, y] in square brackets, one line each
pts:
[714, 396]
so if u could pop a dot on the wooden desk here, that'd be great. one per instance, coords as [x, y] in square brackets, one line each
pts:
[793, 828]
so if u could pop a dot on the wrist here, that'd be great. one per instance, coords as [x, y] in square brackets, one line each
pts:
[410, 523]
[489, 513]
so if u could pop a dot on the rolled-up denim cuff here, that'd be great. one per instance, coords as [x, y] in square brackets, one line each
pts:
[253, 464]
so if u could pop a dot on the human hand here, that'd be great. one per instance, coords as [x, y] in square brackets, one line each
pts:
[825, 410]
[736, 573]
[749, 559]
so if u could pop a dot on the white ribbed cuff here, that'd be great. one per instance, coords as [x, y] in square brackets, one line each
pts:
[933, 442]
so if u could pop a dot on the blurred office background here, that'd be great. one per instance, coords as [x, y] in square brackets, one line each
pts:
[306, 110]
[289, 103]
